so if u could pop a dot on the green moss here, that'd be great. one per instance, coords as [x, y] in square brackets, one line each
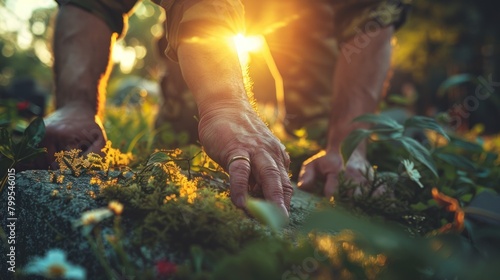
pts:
[172, 210]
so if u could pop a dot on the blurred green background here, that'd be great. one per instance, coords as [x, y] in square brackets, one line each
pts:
[441, 39]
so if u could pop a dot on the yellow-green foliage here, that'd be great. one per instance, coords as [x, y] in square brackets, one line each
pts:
[175, 209]
[73, 161]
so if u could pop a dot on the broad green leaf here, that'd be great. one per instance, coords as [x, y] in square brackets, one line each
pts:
[6, 144]
[466, 145]
[34, 132]
[32, 136]
[267, 213]
[352, 141]
[419, 152]
[32, 153]
[25, 152]
[379, 120]
[427, 123]
[454, 81]
[457, 161]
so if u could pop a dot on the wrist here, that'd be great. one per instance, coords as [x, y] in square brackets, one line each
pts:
[77, 108]
[222, 106]
[86, 106]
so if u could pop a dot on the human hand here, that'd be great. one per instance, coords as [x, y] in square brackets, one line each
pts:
[327, 166]
[71, 127]
[232, 130]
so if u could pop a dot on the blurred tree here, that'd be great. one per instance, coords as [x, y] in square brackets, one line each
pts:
[445, 38]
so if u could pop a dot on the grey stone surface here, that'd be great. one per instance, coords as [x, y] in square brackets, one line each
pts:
[45, 221]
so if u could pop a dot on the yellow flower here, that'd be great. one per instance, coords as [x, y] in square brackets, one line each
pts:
[170, 197]
[95, 181]
[116, 207]
[54, 193]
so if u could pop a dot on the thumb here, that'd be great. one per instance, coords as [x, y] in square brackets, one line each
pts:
[307, 177]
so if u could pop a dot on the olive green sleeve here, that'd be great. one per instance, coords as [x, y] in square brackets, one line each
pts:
[352, 17]
[201, 19]
[113, 12]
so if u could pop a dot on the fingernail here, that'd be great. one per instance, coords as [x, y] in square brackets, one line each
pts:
[285, 211]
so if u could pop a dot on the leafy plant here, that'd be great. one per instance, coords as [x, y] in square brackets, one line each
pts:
[14, 152]
[387, 129]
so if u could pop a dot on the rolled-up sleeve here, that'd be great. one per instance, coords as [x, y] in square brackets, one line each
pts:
[113, 12]
[352, 16]
[187, 19]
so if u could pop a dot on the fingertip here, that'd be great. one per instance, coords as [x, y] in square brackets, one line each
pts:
[306, 176]
[284, 210]
[240, 201]
[239, 174]
[331, 185]
[306, 182]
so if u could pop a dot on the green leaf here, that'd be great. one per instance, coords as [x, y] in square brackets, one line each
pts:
[6, 144]
[454, 81]
[457, 161]
[466, 197]
[462, 180]
[32, 152]
[420, 206]
[379, 120]
[158, 157]
[34, 132]
[352, 141]
[267, 213]
[419, 152]
[466, 145]
[400, 100]
[32, 136]
[426, 123]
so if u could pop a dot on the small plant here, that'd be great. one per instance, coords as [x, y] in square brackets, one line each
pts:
[15, 152]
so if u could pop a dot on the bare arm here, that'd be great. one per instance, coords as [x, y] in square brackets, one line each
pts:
[228, 125]
[357, 87]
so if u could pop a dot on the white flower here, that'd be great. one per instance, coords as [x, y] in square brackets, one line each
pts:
[54, 265]
[93, 217]
[412, 173]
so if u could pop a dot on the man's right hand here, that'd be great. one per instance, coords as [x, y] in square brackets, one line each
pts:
[72, 127]
[231, 129]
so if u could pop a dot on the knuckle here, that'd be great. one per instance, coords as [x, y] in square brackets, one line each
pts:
[286, 158]
[269, 171]
[239, 168]
[287, 189]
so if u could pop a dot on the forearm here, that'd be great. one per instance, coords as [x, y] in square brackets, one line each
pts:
[358, 85]
[82, 50]
[212, 72]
